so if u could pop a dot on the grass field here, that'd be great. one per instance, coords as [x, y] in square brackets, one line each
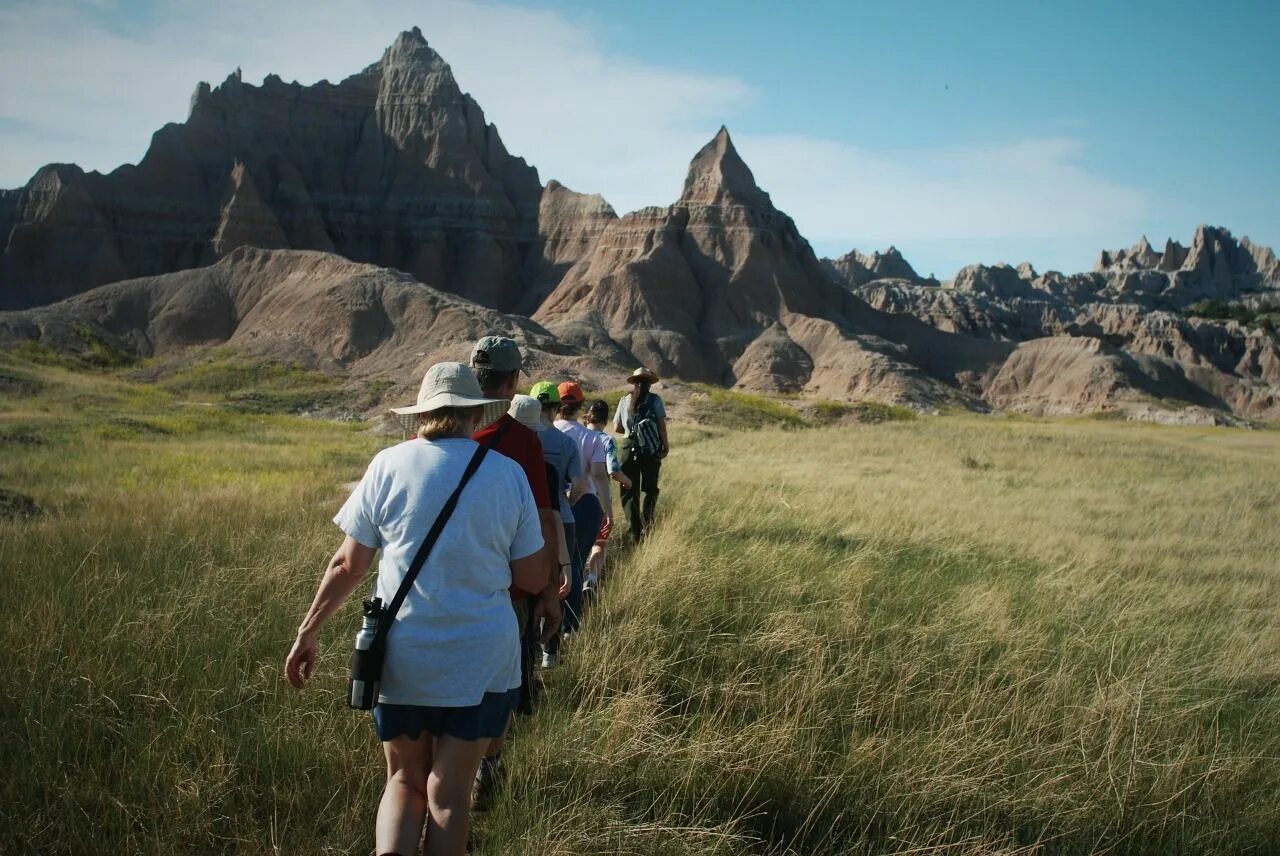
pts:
[940, 635]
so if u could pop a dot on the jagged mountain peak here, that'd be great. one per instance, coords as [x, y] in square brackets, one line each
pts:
[393, 165]
[410, 51]
[855, 268]
[557, 195]
[718, 174]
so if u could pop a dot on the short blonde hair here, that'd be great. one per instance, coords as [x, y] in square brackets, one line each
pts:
[445, 422]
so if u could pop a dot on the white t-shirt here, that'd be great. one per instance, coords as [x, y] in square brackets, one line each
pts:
[590, 446]
[455, 636]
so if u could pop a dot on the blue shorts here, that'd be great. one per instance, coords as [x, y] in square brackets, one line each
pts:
[483, 721]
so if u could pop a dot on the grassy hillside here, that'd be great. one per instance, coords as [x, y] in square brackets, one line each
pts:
[944, 635]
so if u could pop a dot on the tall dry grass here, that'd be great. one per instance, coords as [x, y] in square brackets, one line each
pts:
[147, 610]
[951, 635]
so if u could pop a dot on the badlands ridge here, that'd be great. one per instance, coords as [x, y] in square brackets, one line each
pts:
[368, 226]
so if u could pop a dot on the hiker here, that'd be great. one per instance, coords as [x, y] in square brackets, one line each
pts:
[563, 457]
[596, 503]
[597, 419]
[641, 418]
[452, 671]
[497, 363]
[562, 468]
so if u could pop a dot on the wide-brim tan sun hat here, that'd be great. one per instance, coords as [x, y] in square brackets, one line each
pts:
[642, 373]
[446, 385]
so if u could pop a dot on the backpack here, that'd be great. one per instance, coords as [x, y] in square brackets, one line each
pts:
[646, 439]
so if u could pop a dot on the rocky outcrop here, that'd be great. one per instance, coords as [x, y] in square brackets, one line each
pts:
[569, 224]
[306, 220]
[395, 166]
[855, 269]
[773, 361]
[314, 308]
[1152, 353]
[721, 287]
[1215, 267]
[1058, 376]
[245, 220]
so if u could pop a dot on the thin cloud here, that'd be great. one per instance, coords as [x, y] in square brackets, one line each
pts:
[1031, 188]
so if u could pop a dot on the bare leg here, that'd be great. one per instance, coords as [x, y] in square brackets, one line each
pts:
[596, 560]
[404, 800]
[449, 794]
[486, 784]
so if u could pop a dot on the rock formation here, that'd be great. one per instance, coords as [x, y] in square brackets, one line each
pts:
[394, 166]
[273, 217]
[721, 287]
[314, 308]
[1125, 306]
[855, 269]
[569, 224]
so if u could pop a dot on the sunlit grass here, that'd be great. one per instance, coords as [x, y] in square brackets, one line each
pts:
[854, 641]
[942, 635]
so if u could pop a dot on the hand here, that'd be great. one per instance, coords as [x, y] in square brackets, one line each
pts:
[663, 452]
[566, 583]
[548, 609]
[624, 482]
[300, 665]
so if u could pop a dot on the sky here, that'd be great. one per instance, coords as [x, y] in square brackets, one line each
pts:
[959, 131]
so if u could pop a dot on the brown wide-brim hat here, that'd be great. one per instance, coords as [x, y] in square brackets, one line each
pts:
[642, 373]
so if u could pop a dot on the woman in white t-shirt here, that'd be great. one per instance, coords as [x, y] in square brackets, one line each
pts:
[452, 672]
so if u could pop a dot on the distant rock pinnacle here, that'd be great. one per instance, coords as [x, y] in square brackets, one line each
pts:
[718, 173]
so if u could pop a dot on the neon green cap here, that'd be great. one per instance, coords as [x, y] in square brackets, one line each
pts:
[546, 392]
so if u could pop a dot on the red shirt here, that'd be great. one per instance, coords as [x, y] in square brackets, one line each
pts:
[521, 445]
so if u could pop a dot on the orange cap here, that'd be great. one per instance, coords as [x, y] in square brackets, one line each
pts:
[570, 391]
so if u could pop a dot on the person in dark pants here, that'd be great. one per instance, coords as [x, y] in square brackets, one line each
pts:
[594, 505]
[496, 362]
[641, 418]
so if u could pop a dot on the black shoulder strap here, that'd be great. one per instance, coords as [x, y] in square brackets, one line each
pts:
[420, 558]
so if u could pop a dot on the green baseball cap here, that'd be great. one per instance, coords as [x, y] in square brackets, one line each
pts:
[546, 392]
[496, 352]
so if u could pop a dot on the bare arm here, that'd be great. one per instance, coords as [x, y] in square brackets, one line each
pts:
[662, 430]
[577, 489]
[530, 573]
[555, 555]
[346, 570]
[600, 475]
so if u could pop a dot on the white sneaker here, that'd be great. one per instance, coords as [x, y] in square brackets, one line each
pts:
[550, 660]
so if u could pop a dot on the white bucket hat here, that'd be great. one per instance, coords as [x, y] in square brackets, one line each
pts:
[446, 385]
[527, 410]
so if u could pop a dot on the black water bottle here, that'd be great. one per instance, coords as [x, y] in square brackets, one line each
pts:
[366, 659]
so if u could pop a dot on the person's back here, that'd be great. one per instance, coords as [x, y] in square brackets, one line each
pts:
[565, 458]
[588, 443]
[441, 647]
[641, 418]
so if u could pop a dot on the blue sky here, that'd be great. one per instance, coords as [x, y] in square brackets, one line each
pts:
[961, 132]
